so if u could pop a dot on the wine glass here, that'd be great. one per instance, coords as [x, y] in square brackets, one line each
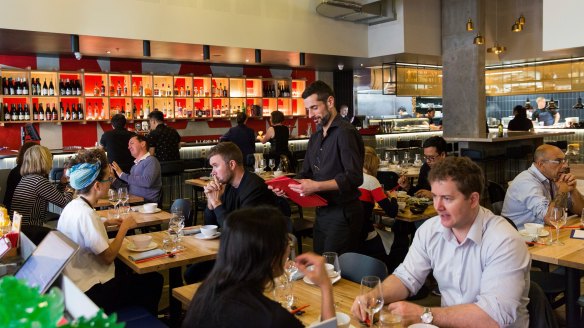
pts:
[283, 291]
[418, 161]
[262, 164]
[272, 164]
[395, 159]
[558, 219]
[290, 265]
[115, 201]
[175, 227]
[387, 156]
[332, 258]
[406, 161]
[372, 296]
[123, 195]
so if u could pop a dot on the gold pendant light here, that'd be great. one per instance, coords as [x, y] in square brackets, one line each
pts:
[479, 39]
[521, 20]
[496, 48]
[469, 25]
[517, 27]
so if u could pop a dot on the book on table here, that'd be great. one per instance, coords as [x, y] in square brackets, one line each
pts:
[283, 183]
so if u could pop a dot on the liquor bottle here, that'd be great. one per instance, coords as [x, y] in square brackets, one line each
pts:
[17, 87]
[6, 112]
[125, 88]
[14, 113]
[102, 112]
[156, 91]
[35, 113]
[89, 111]
[141, 90]
[62, 111]
[11, 89]
[68, 89]
[54, 114]
[134, 89]
[51, 88]
[24, 87]
[80, 111]
[188, 91]
[119, 89]
[62, 90]
[38, 87]
[96, 90]
[168, 92]
[68, 114]
[112, 89]
[213, 90]
[48, 115]
[102, 89]
[41, 113]
[134, 111]
[141, 112]
[500, 130]
[147, 111]
[20, 113]
[78, 87]
[26, 113]
[148, 91]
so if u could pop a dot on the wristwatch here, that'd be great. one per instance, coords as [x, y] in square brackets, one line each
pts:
[427, 316]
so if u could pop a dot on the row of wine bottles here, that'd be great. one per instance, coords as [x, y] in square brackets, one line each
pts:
[270, 91]
[19, 86]
[21, 112]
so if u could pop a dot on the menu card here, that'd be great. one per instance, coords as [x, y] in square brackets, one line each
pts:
[282, 183]
[577, 234]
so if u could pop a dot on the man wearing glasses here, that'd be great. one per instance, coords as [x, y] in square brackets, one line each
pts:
[434, 152]
[535, 192]
[333, 169]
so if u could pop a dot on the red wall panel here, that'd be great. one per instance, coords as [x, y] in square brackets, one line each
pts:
[77, 134]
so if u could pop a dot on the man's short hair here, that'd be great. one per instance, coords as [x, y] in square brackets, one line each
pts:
[322, 90]
[402, 109]
[467, 175]
[241, 117]
[119, 121]
[156, 115]
[141, 138]
[228, 151]
[438, 142]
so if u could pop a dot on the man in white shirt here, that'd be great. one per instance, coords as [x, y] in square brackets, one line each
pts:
[480, 262]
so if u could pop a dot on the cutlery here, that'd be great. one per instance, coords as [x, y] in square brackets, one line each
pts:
[299, 308]
[171, 255]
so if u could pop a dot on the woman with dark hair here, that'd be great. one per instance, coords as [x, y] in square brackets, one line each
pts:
[254, 247]
[92, 269]
[520, 122]
[14, 175]
[389, 247]
[278, 135]
[34, 191]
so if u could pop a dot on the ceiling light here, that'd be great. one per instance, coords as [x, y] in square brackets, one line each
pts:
[521, 20]
[247, 60]
[478, 40]
[469, 25]
[517, 27]
[579, 104]
[496, 49]
[108, 52]
[528, 104]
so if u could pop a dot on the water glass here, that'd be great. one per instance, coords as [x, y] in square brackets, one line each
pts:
[558, 219]
[272, 164]
[123, 195]
[387, 319]
[332, 258]
[372, 296]
[284, 292]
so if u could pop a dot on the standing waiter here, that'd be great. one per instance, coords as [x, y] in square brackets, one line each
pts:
[333, 169]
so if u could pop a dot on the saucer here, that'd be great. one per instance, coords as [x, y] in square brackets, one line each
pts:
[144, 212]
[203, 237]
[542, 233]
[150, 246]
[333, 280]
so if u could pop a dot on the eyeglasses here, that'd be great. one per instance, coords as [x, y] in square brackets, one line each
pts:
[556, 161]
[431, 158]
[110, 180]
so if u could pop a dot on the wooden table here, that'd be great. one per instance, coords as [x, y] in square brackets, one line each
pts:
[195, 251]
[570, 256]
[410, 172]
[104, 202]
[407, 215]
[142, 219]
[198, 182]
[344, 293]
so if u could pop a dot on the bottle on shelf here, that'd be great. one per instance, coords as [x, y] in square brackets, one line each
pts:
[119, 89]
[102, 89]
[26, 113]
[102, 115]
[14, 113]
[135, 89]
[20, 113]
[51, 88]
[188, 91]
[62, 90]
[38, 87]
[35, 113]
[141, 114]
[50, 114]
[125, 88]
[141, 90]
[156, 90]
[147, 109]
[134, 111]
[96, 90]
[62, 111]
[17, 87]
[45, 89]
[24, 86]
[6, 112]
[168, 91]
[69, 113]
[112, 91]
[80, 115]
[89, 111]
[148, 91]
[5, 86]
[41, 112]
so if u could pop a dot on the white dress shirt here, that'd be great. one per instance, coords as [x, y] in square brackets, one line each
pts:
[490, 268]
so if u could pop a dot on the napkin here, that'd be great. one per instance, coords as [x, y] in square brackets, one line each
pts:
[577, 234]
[191, 231]
[147, 254]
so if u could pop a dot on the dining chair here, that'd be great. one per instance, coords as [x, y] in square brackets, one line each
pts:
[355, 266]
[541, 314]
[184, 204]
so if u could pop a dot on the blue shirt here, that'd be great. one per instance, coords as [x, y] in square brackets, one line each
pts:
[489, 268]
[145, 179]
[528, 197]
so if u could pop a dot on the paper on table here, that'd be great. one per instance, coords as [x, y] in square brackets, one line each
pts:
[191, 231]
[147, 254]
[578, 234]
[282, 183]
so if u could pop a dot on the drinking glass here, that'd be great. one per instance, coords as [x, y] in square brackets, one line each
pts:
[262, 164]
[113, 197]
[123, 195]
[272, 164]
[387, 156]
[558, 219]
[372, 295]
[406, 161]
[387, 319]
[290, 265]
[284, 292]
[395, 159]
[582, 220]
[332, 258]
[175, 227]
[418, 161]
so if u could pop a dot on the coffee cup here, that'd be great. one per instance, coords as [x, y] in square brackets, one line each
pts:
[209, 230]
[278, 173]
[533, 229]
[142, 241]
[330, 269]
[343, 320]
[150, 207]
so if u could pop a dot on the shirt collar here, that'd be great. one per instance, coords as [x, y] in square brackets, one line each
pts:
[475, 233]
[138, 160]
[536, 173]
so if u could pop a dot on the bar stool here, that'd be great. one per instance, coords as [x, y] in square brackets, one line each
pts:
[171, 175]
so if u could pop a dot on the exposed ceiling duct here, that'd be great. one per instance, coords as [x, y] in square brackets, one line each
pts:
[367, 12]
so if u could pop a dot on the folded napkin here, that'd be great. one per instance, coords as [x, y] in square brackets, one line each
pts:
[147, 254]
[191, 231]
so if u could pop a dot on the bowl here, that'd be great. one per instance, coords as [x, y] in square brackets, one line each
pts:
[343, 320]
[418, 209]
[142, 241]
[150, 207]
[278, 173]
[209, 230]
[401, 205]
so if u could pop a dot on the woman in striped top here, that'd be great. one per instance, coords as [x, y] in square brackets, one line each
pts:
[34, 191]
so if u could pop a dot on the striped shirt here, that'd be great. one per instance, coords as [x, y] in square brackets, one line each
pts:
[32, 196]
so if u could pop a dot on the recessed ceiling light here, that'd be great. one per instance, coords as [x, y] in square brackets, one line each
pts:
[361, 65]
[108, 52]
[247, 60]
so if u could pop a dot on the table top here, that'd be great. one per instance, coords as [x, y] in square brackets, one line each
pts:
[142, 219]
[198, 182]
[407, 215]
[410, 172]
[344, 292]
[195, 251]
[104, 202]
[570, 255]
[509, 136]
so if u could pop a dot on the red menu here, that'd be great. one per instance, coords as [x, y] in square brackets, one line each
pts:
[282, 183]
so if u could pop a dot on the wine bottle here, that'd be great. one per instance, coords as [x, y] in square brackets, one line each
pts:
[73, 113]
[89, 111]
[125, 88]
[119, 89]
[78, 87]
[102, 112]
[17, 87]
[26, 113]
[62, 90]
[54, 114]
[80, 111]
[141, 90]
[11, 89]
[51, 88]
[24, 87]
[96, 90]
[147, 111]
[20, 113]
[41, 114]
[141, 112]
[134, 111]
[62, 111]
[35, 113]
[48, 114]
[102, 89]
[6, 112]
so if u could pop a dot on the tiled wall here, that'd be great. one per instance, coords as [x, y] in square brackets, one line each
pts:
[502, 106]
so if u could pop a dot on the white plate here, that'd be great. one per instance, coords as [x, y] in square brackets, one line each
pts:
[422, 325]
[144, 212]
[542, 232]
[201, 236]
[333, 280]
[150, 246]
[314, 323]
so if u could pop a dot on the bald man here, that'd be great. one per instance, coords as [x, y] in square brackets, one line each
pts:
[535, 192]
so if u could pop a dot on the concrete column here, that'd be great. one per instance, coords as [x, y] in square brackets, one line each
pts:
[463, 83]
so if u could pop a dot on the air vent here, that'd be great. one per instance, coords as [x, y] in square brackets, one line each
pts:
[359, 12]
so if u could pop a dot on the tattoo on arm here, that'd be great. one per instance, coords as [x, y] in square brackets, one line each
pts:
[561, 199]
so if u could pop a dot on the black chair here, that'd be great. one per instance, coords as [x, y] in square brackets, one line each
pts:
[298, 159]
[355, 266]
[496, 196]
[388, 179]
[541, 314]
[199, 200]
[184, 205]
[171, 174]
[301, 227]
